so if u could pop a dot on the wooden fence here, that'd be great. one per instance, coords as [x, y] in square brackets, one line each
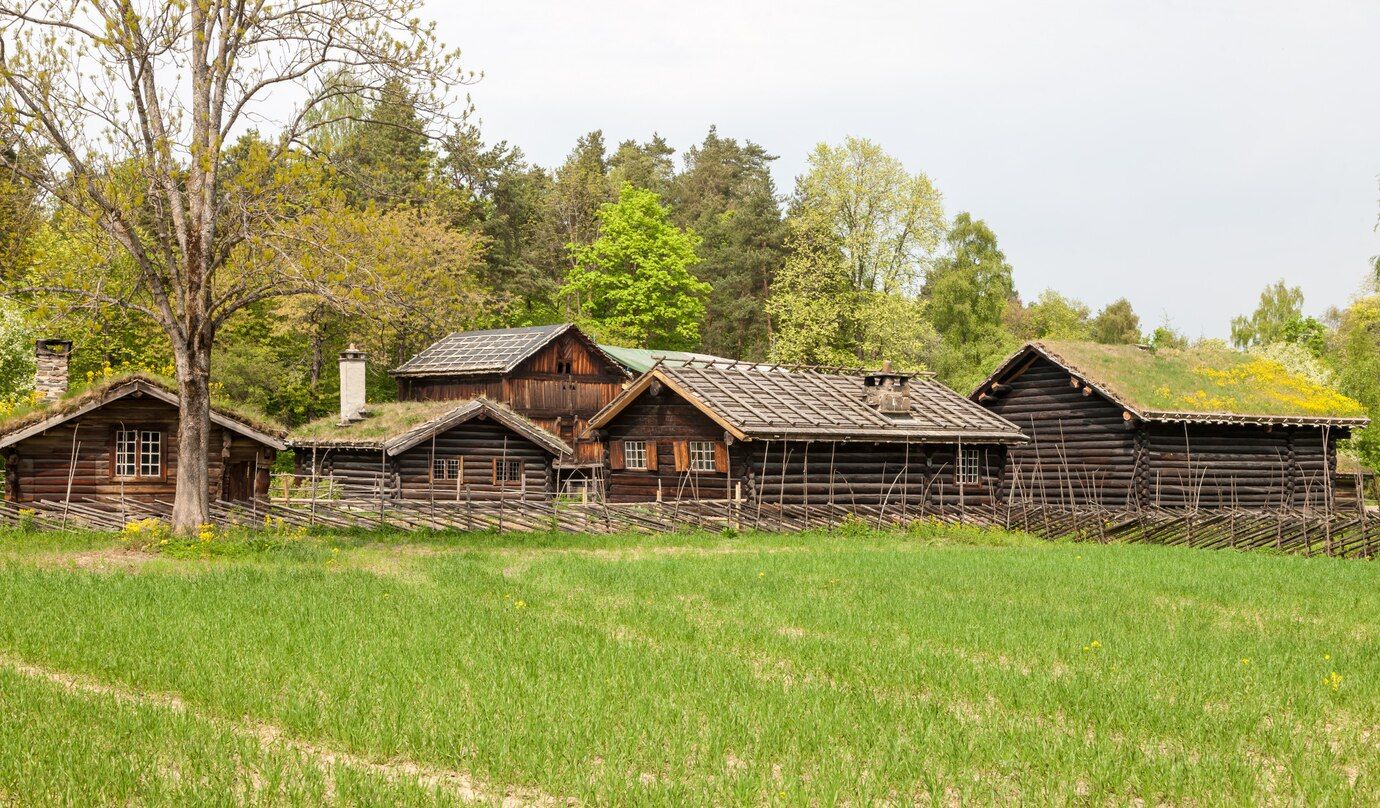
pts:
[1350, 534]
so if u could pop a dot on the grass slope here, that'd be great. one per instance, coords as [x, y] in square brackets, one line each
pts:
[1203, 379]
[690, 670]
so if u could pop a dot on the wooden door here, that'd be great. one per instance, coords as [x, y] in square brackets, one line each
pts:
[238, 484]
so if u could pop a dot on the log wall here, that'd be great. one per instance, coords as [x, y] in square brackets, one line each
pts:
[1085, 452]
[37, 469]
[357, 473]
[664, 419]
[560, 402]
[793, 472]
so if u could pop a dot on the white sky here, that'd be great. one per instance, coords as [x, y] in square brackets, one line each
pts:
[1181, 153]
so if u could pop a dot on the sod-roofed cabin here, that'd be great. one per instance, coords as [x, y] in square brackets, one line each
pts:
[554, 374]
[116, 440]
[476, 450]
[793, 436]
[1125, 426]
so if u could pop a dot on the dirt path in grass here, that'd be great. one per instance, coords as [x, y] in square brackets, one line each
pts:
[460, 785]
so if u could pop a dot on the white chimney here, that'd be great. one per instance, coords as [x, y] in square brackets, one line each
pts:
[51, 360]
[351, 384]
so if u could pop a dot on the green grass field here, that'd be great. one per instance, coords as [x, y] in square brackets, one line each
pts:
[702, 669]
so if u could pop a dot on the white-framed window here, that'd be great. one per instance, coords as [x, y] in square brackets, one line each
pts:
[701, 455]
[126, 452]
[507, 472]
[150, 453]
[445, 468]
[969, 463]
[635, 455]
[138, 453]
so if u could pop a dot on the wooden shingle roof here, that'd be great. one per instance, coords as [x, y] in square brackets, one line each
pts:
[757, 402]
[496, 350]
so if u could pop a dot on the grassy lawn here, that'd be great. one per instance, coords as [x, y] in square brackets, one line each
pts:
[701, 669]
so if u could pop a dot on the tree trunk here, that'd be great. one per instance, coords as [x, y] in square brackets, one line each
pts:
[191, 505]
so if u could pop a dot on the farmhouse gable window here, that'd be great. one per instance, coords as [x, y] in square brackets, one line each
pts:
[701, 455]
[138, 454]
[635, 455]
[969, 461]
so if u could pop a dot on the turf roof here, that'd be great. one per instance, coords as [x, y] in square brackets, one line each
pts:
[391, 426]
[1206, 380]
[28, 413]
[381, 422]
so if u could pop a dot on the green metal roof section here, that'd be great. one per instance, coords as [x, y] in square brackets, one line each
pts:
[641, 360]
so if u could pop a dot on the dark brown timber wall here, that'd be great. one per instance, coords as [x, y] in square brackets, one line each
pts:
[477, 445]
[789, 472]
[38, 468]
[560, 388]
[1084, 451]
[667, 423]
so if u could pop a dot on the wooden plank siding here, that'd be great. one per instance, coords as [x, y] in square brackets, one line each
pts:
[559, 388]
[1087, 451]
[357, 472]
[785, 472]
[37, 468]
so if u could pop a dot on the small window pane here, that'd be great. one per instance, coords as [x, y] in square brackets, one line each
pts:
[508, 472]
[126, 440]
[701, 455]
[445, 468]
[635, 454]
[968, 462]
[150, 453]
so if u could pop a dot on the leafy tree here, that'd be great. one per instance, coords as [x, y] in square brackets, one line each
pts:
[727, 196]
[135, 104]
[1051, 316]
[386, 157]
[16, 350]
[507, 201]
[1166, 337]
[887, 221]
[966, 295]
[1116, 324]
[633, 283]
[1280, 306]
[580, 187]
[813, 303]
[1307, 332]
[1354, 352]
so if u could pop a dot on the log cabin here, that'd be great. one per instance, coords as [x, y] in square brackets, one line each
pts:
[797, 436]
[475, 450]
[1124, 426]
[554, 375]
[116, 440]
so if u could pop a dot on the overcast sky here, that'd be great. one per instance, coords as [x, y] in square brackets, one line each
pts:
[1182, 154]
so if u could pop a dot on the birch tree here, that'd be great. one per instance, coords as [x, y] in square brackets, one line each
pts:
[133, 104]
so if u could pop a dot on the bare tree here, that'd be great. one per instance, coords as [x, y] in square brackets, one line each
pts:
[133, 103]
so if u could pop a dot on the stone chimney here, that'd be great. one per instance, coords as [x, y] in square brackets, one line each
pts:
[51, 360]
[888, 391]
[352, 402]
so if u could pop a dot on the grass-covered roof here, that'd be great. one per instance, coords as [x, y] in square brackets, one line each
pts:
[380, 422]
[397, 426]
[1206, 380]
[15, 416]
